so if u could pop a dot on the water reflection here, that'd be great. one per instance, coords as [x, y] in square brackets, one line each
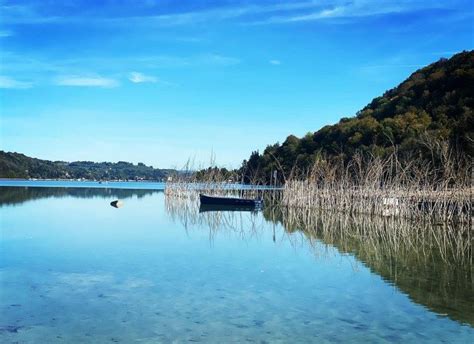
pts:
[432, 264]
[244, 222]
[214, 207]
[12, 195]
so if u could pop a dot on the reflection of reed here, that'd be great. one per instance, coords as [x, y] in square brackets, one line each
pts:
[431, 264]
[379, 236]
[388, 235]
[187, 211]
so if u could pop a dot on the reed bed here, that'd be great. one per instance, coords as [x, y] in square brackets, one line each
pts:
[388, 187]
[440, 189]
[191, 190]
[188, 187]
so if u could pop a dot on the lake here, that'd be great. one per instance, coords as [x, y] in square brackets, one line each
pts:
[73, 269]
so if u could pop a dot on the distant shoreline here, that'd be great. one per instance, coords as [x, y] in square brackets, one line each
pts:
[43, 183]
[82, 180]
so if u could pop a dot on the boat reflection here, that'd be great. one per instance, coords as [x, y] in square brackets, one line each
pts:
[222, 207]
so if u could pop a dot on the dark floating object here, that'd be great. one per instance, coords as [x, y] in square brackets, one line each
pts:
[117, 203]
[229, 202]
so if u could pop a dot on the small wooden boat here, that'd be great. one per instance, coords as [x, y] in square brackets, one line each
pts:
[230, 201]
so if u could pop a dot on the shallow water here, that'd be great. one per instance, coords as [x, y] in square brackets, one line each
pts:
[75, 269]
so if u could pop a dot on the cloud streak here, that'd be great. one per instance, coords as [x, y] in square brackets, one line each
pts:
[138, 78]
[86, 81]
[13, 63]
[35, 14]
[249, 13]
[10, 83]
[74, 72]
[330, 11]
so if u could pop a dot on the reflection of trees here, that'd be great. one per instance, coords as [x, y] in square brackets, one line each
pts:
[10, 195]
[432, 264]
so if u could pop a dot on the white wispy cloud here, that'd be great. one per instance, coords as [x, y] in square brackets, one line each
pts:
[74, 71]
[352, 9]
[138, 78]
[86, 81]
[295, 12]
[230, 12]
[33, 14]
[8, 82]
[327, 13]
[275, 62]
[250, 13]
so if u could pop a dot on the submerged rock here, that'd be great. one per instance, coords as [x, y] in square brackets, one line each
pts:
[10, 328]
[117, 203]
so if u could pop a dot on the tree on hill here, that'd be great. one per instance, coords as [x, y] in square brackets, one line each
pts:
[435, 104]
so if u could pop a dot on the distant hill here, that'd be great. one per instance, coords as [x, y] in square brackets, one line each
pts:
[435, 104]
[16, 165]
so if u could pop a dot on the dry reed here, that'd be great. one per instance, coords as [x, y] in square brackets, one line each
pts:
[389, 187]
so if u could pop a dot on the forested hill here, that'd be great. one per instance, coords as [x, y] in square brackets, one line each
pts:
[15, 165]
[435, 104]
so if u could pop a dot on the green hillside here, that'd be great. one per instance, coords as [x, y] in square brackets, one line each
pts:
[15, 165]
[434, 105]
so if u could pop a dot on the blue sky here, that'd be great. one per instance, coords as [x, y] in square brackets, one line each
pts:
[161, 81]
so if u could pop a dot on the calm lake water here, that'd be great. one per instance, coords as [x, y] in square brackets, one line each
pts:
[74, 269]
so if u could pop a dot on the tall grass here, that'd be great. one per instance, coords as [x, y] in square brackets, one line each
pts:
[440, 188]
[186, 185]
[387, 186]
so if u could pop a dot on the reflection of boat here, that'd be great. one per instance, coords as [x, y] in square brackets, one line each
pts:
[230, 201]
[223, 207]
